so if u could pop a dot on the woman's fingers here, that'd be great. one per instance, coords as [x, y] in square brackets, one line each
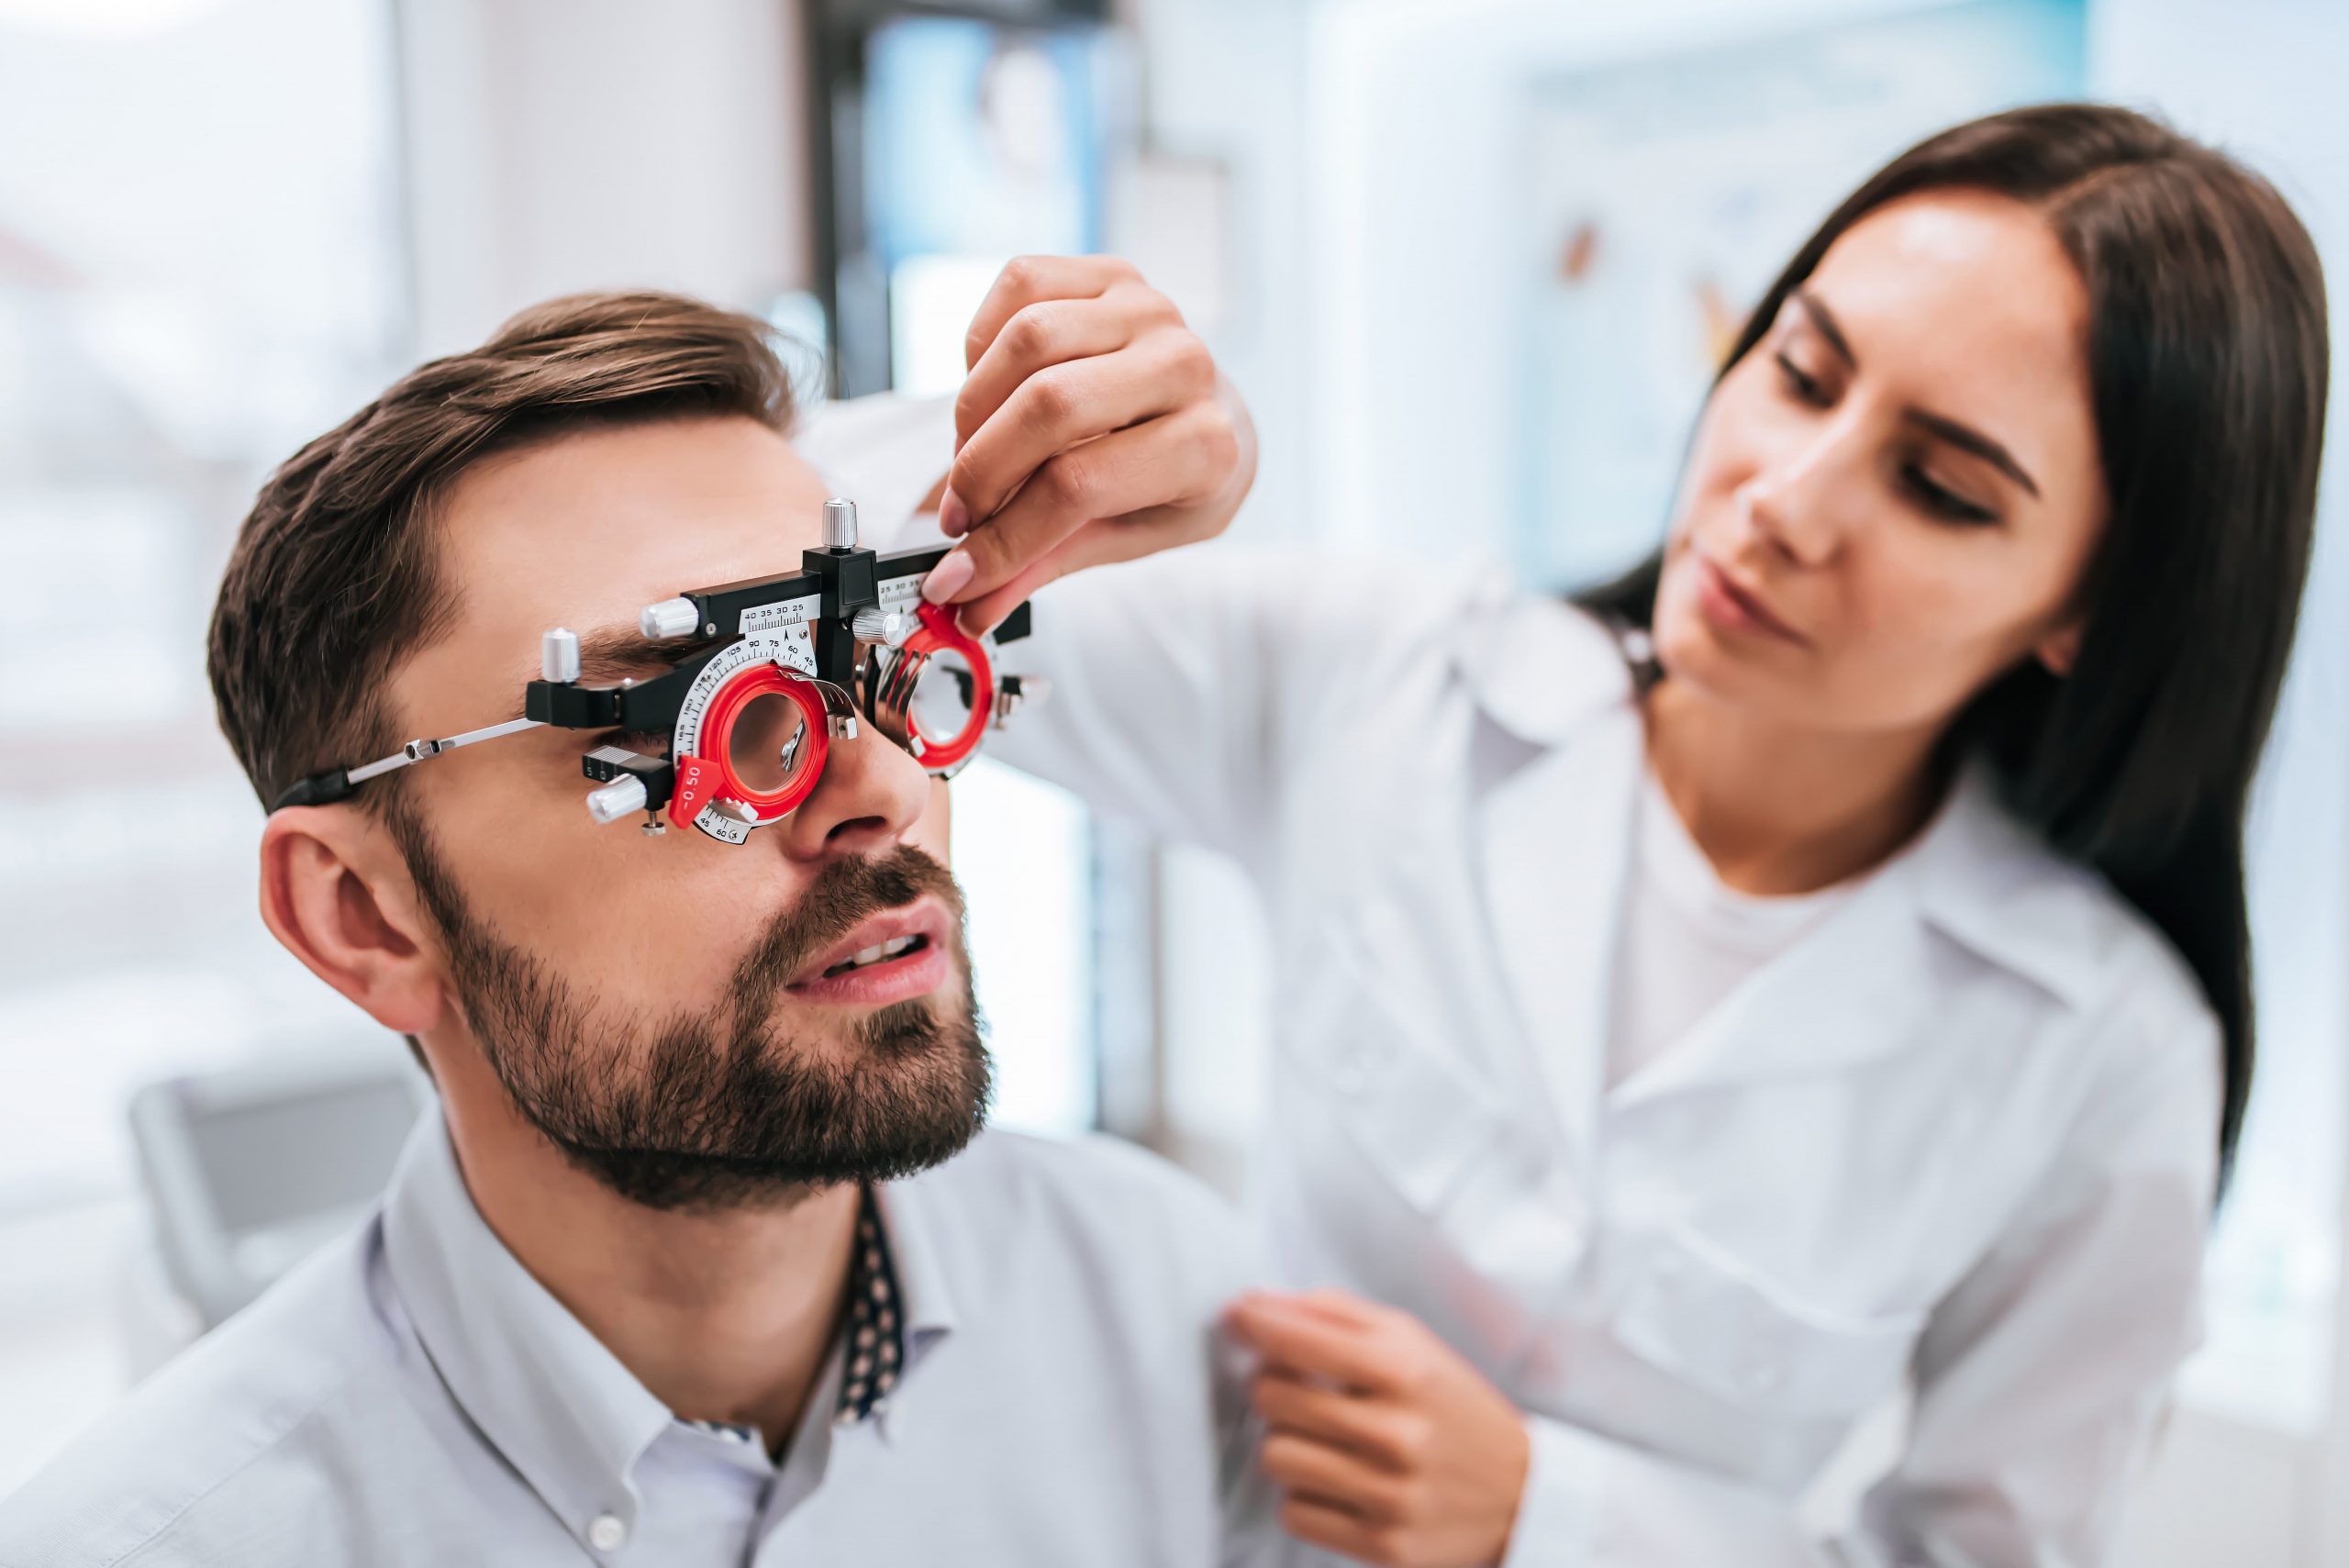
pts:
[1095, 544]
[1070, 355]
[1315, 1469]
[1048, 332]
[1317, 1521]
[1027, 279]
[1306, 1338]
[1379, 1434]
[1163, 466]
[1063, 405]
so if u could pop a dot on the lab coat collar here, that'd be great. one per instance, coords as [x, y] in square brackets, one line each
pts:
[1869, 980]
[1541, 668]
[1988, 883]
[1554, 849]
[1861, 986]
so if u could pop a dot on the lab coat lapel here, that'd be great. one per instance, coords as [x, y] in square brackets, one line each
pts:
[1861, 986]
[1554, 839]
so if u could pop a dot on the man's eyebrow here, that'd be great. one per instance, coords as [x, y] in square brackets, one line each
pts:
[1964, 436]
[620, 652]
[613, 653]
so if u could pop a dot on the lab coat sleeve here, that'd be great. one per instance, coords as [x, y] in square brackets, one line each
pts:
[2041, 1378]
[1183, 687]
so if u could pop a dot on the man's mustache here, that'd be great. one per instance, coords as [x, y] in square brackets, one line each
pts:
[844, 894]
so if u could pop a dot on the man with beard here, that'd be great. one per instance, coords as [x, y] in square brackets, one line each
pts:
[703, 1258]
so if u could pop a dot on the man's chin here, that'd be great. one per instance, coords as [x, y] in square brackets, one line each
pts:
[907, 1088]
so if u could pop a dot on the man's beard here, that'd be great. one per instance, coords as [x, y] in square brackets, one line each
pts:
[715, 1108]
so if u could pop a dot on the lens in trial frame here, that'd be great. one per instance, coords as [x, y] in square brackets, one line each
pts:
[768, 747]
[943, 691]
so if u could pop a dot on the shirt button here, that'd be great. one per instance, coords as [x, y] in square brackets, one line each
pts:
[608, 1533]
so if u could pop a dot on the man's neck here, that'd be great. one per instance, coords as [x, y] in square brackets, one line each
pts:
[723, 1316]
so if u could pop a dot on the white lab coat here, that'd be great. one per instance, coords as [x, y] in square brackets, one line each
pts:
[1961, 1140]
[1961, 1137]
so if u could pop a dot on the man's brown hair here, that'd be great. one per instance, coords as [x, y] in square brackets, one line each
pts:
[335, 575]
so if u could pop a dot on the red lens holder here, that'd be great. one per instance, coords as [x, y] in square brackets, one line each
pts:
[938, 634]
[701, 779]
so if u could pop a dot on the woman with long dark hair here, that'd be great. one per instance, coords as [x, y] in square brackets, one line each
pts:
[1813, 966]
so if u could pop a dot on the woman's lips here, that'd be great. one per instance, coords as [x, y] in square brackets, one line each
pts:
[1734, 609]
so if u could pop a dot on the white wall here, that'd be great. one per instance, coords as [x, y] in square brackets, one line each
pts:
[559, 145]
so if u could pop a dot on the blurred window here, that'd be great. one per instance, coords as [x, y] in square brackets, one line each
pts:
[188, 291]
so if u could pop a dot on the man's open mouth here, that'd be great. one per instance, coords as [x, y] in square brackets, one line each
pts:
[890, 957]
[896, 948]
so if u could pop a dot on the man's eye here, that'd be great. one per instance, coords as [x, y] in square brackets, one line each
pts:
[651, 743]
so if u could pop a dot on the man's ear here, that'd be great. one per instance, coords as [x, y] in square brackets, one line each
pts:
[2060, 649]
[336, 893]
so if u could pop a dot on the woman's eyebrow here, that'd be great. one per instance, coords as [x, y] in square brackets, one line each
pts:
[1824, 319]
[1971, 439]
[1964, 436]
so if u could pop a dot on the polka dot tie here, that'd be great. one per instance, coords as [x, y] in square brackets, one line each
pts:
[876, 1339]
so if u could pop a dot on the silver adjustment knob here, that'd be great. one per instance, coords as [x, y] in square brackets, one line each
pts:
[873, 624]
[558, 656]
[670, 618]
[840, 524]
[624, 796]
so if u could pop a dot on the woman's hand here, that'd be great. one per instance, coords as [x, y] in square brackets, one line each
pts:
[1094, 427]
[1391, 1448]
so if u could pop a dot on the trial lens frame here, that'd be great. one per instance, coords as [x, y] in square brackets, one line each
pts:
[847, 633]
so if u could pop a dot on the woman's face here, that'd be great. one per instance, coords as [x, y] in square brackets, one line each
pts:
[1893, 496]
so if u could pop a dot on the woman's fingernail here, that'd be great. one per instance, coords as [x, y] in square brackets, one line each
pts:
[946, 579]
[953, 518]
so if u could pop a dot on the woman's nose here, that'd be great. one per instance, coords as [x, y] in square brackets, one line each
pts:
[1798, 502]
[869, 798]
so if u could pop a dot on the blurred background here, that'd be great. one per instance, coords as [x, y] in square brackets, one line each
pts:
[1470, 260]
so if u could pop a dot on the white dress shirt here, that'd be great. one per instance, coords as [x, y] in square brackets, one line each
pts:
[413, 1397]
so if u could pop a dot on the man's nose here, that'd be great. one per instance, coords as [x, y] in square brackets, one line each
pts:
[869, 798]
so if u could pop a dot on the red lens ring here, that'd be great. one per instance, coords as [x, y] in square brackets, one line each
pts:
[726, 706]
[938, 634]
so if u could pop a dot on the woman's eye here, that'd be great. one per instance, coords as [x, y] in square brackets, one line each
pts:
[1804, 388]
[1944, 503]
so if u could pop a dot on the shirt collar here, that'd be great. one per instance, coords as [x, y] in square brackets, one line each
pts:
[551, 1398]
[909, 1223]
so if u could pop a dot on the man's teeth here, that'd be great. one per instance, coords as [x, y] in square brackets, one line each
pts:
[887, 950]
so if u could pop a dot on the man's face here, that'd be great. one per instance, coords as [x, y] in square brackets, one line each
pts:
[670, 1010]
